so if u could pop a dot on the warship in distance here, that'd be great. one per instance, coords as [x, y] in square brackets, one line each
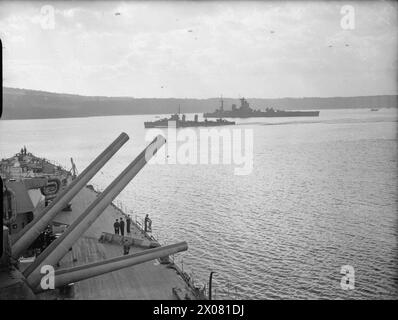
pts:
[246, 112]
[184, 123]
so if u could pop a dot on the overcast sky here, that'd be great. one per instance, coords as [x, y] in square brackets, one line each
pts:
[200, 50]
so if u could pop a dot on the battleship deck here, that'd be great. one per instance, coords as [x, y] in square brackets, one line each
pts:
[150, 280]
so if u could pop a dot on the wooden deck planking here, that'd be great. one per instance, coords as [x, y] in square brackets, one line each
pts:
[150, 280]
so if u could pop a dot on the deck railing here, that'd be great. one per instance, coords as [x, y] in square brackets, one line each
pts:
[197, 289]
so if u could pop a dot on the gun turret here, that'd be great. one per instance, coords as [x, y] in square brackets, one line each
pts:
[41, 220]
[64, 277]
[57, 249]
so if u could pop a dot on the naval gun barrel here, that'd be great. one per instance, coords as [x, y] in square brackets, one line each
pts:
[41, 220]
[63, 277]
[59, 247]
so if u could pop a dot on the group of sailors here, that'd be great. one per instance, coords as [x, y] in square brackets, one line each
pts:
[119, 229]
[43, 241]
[23, 151]
[119, 225]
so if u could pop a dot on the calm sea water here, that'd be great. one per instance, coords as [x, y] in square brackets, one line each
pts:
[322, 194]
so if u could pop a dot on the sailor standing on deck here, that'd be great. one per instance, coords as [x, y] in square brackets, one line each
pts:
[126, 247]
[116, 225]
[147, 224]
[121, 223]
[128, 223]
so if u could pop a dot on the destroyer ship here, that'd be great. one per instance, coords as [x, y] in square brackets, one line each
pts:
[244, 111]
[53, 219]
[175, 121]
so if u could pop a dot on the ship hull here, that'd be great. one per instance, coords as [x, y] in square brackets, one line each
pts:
[188, 124]
[276, 114]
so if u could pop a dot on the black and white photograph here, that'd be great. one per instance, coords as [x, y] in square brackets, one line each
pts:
[199, 150]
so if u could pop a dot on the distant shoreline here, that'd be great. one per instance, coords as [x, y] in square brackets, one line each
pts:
[150, 114]
[19, 104]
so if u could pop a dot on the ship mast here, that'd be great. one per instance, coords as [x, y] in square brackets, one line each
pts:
[222, 104]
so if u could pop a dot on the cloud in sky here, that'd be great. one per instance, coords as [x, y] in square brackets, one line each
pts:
[201, 49]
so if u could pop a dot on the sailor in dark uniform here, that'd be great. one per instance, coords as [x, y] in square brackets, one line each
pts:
[147, 224]
[116, 225]
[121, 224]
[126, 247]
[128, 223]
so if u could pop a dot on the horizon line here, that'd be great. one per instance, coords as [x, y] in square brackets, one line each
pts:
[222, 97]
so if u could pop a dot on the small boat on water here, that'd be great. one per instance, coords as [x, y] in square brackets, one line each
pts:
[374, 109]
[175, 120]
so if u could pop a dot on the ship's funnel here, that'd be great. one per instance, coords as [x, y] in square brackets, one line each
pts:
[58, 248]
[63, 277]
[41, 220]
